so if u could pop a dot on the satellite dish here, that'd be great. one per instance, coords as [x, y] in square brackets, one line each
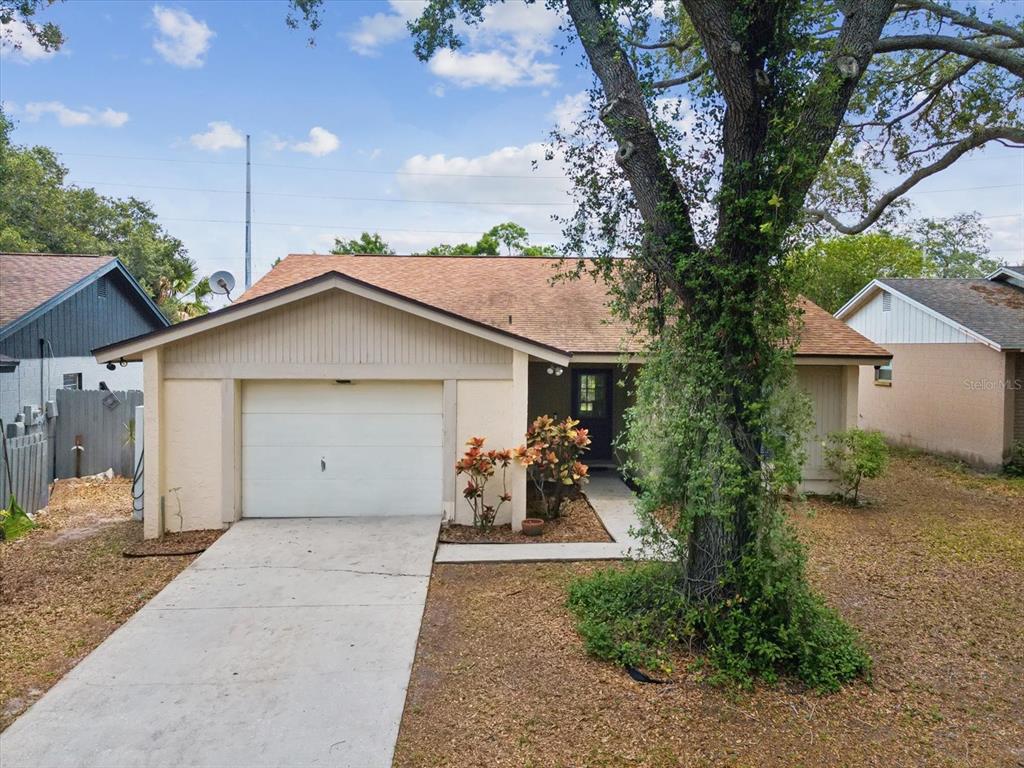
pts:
[222, 282]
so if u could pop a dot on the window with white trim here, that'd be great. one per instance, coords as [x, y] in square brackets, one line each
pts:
[72, 381]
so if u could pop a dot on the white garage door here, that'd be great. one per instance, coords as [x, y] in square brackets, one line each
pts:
[322, 449]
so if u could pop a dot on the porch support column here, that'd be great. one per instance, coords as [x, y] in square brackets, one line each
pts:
[153, 478]
[520, 416]
[851, 393]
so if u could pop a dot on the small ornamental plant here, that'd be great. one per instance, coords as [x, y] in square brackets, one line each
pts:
[481, 466]
[551, 456]
[853, 455]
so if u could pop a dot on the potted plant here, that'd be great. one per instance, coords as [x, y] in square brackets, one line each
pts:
[533, 526]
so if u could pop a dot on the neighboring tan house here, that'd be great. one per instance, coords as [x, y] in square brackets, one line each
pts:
[348, 385]
[54, 310]
[955, 382]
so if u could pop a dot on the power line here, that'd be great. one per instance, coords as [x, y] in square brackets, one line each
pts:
[333, 169]
[363, 228]
[323, 197]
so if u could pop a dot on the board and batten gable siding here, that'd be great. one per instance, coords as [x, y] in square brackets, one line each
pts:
[903, 323]
[336, 335]
[1018, 400]
[103, 312]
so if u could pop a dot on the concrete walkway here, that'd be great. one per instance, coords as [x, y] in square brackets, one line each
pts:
[612, 501]
[288, 643]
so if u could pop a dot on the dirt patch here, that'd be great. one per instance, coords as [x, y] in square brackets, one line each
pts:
[173, 544]
[501, 678]
[578, 522]
[66, 586]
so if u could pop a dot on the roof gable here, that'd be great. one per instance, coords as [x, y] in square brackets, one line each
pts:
[989, 311]
[31, 284]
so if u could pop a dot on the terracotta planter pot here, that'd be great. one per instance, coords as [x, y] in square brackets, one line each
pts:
[533, 526]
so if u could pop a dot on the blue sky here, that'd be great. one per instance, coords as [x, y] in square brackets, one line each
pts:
[152, 100]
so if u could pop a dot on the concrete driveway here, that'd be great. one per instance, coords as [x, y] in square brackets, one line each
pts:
[287, 643]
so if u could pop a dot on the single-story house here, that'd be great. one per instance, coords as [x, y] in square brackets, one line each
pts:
[348, 385]
[955, 385]
[54, 310]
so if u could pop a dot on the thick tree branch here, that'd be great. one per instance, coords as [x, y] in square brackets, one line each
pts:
[658, 197]
[992, 54]
[975, 140]
[689, 77]
[827, 100]
[711, 19]
[964, 19]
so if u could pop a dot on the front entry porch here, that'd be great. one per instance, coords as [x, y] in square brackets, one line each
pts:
[595, 393]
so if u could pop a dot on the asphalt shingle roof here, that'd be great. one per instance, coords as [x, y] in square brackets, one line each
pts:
[992, 309]
[515, 294]
[30, 279]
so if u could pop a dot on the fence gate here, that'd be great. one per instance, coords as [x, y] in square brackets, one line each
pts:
[27, 465]
[102, 425]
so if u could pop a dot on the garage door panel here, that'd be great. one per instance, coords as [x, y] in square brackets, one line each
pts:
[320, 449]
[341, 429]
[361, 481]
[330, 397]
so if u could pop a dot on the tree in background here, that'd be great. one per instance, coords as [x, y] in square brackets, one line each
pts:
[830, 271]
[513, 237]
[366, 243]
[955, 247]
[41, 212]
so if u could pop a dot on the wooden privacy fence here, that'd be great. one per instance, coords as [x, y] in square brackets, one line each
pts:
[26, 465]
[103, 426]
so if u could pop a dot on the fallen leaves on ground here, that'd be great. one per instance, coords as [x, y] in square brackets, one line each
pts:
[66, 586]
[578, 522]
[501, 678]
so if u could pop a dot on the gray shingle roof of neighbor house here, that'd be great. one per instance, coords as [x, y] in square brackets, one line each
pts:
[32, 283]
[989, 308]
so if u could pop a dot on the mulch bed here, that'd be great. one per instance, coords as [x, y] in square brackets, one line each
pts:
[578, 522]
[173, 544]
[931, 571]
[66, 585]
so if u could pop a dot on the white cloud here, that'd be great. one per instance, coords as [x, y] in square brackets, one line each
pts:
[438, 90]
[69, 117]
[221, 135]
[513, 183]
[495, 69]
[320, 142]
[18, 44]
[373, 32]
[568, 112]
[503, 50]
[183, 40]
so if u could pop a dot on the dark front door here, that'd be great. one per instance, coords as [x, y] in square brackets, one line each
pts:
[592, 405]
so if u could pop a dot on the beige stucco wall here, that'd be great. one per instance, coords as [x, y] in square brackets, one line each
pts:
[496, 411]
[194, 452]
[950, 399]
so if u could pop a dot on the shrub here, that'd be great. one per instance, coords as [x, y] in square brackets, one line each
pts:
[1014, 466]
[552, 457]
[772, 625]
[14, 521]
[481, 466]
[853, 455]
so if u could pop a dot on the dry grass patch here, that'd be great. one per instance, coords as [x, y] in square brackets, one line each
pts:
[501, 678]
[66, 586]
